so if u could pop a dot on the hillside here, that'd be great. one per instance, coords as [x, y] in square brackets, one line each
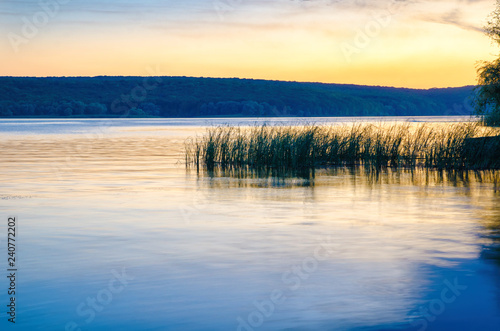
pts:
[210, 97]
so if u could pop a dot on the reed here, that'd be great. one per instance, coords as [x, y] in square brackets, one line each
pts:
[305, 147]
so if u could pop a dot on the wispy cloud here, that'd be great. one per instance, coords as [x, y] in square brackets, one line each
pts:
[454, 17]
[239, 12]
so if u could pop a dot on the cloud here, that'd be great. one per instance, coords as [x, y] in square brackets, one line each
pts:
[455, 17]
[453, 14]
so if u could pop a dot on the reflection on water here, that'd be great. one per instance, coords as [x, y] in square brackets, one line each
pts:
[368, 175]
[491, 221]
[345, 249]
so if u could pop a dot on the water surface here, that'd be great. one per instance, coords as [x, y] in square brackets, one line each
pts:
[107, 210]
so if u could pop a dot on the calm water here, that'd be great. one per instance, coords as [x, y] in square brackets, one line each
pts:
[115, 234]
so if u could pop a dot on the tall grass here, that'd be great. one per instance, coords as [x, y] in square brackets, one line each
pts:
[285, 148]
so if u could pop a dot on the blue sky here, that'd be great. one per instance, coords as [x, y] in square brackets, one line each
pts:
[378, 42]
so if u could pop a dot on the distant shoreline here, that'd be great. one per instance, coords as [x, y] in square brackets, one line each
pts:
[453, 118]
[188, 97]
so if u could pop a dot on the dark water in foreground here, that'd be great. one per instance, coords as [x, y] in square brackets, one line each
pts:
[115, 234]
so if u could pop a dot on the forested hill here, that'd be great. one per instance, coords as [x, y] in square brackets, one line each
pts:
[209, 97]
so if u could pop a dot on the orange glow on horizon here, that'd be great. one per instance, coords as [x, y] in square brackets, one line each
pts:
[406, 51]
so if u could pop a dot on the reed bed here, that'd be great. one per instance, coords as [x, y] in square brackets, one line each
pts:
[305, 147]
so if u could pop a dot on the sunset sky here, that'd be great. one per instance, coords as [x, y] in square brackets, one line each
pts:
[420, 44]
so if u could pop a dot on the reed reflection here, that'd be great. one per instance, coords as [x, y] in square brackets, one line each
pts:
[491, 235]
[469, 181]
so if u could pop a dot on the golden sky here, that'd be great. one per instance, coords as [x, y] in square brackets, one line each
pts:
[419, 44]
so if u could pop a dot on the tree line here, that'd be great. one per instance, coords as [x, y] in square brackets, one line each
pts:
[108, 96]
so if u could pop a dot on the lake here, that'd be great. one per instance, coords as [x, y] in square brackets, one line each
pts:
[114, 233]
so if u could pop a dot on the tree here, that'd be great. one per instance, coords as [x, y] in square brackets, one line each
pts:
[150, 108]
[5, 111]
[77, 107]
[487, 98]
[66, 112]
[95, 109]
[137, 112]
